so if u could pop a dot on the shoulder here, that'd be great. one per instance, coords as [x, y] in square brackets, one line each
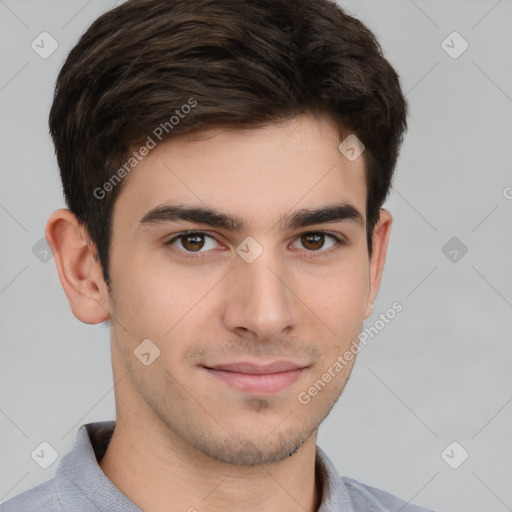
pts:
[42, 498]
[344, 493]
[377, 500]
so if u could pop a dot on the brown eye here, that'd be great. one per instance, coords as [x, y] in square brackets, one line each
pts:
[193, 242]
[313, 241]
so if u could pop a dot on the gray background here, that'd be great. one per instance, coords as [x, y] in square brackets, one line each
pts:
[438, 373]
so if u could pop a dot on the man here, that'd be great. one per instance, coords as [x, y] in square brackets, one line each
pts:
[224, 164]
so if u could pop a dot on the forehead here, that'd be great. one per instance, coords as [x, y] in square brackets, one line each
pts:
[255, 174]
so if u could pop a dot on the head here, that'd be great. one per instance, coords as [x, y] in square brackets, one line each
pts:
[225, 117]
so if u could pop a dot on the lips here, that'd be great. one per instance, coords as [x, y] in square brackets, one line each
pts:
[254, 378]
[259, 369]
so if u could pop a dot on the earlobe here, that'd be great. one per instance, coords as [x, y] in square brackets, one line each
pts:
[79, 272]
[380, 241]
[369, 309]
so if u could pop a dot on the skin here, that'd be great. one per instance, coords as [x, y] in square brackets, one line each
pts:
[183, 436]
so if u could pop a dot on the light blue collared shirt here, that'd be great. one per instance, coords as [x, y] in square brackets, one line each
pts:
[80, 485]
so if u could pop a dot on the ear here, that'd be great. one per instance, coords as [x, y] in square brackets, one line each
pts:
[380, 241]
[79, 272]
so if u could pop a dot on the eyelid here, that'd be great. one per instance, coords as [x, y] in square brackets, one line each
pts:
[187, 255]
[339, 240]
[337, 236]
[190, 232]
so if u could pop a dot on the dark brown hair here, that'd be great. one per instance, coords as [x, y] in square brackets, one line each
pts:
[244, 64]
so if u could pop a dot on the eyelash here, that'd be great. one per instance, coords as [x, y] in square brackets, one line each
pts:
[197, 255]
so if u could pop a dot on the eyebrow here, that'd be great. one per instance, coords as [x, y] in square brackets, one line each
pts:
[201, 215]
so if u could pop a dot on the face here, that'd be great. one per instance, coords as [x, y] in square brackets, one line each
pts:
[219, 258]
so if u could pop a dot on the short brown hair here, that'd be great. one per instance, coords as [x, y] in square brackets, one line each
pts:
[245, 64]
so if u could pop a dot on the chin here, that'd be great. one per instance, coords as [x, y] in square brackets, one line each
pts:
[243, 450]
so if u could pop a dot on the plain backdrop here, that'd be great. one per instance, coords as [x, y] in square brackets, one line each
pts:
[438, 373]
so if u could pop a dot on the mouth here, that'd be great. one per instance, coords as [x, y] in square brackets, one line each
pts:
[260, 379]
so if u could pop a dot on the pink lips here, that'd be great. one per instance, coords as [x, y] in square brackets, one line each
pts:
[257, 378]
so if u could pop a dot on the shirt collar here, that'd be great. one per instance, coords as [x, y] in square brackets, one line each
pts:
[335, 495]
[82, 485]
[80, 482]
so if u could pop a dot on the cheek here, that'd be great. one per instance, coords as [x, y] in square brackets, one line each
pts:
[140, 296]
[156, 300]
[341, 296]
[339, 305]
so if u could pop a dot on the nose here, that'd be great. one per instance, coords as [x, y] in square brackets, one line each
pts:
[259, 302]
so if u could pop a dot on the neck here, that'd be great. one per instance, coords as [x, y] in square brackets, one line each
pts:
[153, 470]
